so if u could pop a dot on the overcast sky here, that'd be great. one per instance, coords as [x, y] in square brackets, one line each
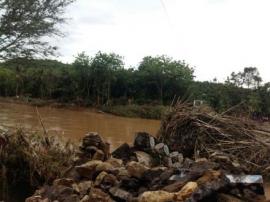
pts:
[214, 36]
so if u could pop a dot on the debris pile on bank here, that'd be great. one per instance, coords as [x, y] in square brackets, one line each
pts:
[238, 143]
[30, 159]
[148, 171]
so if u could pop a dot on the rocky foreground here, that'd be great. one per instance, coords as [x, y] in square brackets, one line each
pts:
[146, 172]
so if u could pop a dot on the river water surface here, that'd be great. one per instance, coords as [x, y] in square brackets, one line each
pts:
[73, 124]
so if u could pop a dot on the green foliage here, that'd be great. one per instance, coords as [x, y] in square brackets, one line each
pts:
[102, 80]
[160, 72]
[103, 67]
[97, 74]
[7, 82]
[254, 102]
[24, 24]
[250, 77]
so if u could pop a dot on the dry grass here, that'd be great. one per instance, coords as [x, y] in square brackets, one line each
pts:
[33, 158]
[200, 132]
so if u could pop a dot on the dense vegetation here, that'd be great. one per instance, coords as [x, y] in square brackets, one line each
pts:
[102, 80]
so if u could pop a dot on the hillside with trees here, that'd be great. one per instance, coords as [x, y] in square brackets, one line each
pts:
[103, 80]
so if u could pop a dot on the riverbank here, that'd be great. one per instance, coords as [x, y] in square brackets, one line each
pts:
[132, 111]
[37, 102]
[142, 111]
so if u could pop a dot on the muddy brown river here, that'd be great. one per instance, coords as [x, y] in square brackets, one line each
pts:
[73, 124]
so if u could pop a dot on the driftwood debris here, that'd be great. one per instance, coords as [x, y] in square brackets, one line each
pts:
[238, 144]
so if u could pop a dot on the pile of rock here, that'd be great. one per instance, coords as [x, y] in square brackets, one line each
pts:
[146, 172]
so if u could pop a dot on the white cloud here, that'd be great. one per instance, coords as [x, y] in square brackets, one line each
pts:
[215, 36]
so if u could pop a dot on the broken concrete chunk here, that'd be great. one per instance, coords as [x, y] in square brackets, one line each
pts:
[181, 181]
[116, 163]
[76, 188]
[85, 187]
[91, 149]
[100, 178]
[131, 184]
[85, 199]
[245, 179]
[186, 191]
[156, 196]
[61, 192]
[120, 194]
[177, 165]
[123, 152]
[104, 166]
[92, 142]
[108, 182]
[168, 161]
[99, 155]
[122, 173]
[162, 149]
[208, 177]
[99, 196]
[144, 158]
[187, 163]
[176, 157]
[88, 169]
[144, 142]
[92, 139]
[152, 174]
[136, 169]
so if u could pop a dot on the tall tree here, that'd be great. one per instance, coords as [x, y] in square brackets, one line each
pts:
[84, 72]
[103, 67]
[251, 77]
[236, 79]
[161, 69]
[25, 26]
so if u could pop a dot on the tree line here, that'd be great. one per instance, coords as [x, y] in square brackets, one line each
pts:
[103, 80]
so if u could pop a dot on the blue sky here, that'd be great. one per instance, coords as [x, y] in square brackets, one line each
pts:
[214, 36]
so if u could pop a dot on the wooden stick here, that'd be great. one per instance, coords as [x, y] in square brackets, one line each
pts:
[44, 129]
[41, 122]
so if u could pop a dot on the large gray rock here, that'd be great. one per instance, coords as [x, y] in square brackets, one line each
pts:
[144, 142]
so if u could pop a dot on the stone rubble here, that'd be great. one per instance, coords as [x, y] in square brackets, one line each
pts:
[145, 172]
